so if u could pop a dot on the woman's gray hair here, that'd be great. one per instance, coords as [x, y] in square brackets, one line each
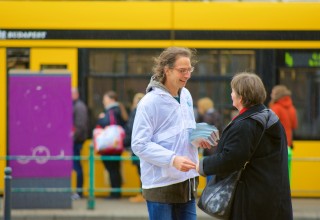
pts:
[168, 58]
[250, 87]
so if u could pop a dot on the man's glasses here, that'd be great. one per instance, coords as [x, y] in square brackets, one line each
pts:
[185, 70]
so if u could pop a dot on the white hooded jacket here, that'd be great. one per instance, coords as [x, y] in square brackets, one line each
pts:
[161, 130]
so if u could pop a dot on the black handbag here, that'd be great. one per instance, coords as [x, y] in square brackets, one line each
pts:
[217, 197]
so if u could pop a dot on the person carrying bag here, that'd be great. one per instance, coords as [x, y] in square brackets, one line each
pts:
[254, 141]
[109, 140]
[111, 121]
[217, 197]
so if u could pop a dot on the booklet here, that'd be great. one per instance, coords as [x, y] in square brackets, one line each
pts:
[204, 132]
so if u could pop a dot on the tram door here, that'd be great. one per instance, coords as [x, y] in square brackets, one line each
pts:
[53, 60]
[3, 111]
[49, 96]
[47, 59]
[304, 83]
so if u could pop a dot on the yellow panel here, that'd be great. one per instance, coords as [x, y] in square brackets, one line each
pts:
[305, 170]
[129, 174]
[131, 179]
[246, 16]
[61, 56]
[305, 174]
[156, 15]
[85, 15]
[3, 112]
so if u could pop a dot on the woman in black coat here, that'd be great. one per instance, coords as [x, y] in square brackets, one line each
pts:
[263, 191]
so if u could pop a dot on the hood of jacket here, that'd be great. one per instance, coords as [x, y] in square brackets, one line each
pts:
[155, 83]
[285, 101]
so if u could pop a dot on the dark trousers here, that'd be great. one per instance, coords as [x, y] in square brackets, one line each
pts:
[113, 168]
[77, 166]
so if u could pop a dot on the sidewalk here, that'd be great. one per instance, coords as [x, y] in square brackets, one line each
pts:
[124, 210]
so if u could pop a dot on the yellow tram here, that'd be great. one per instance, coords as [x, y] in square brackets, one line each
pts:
[109, 45]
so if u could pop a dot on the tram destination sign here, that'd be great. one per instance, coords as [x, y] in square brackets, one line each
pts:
[247, 35]
[302, 59]
[4, 34]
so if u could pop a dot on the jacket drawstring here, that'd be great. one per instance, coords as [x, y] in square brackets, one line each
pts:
[194, 184]
[189, 190]
[192, 187]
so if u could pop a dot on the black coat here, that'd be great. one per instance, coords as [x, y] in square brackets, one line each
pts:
[263, 191]
[80, 121]
[128, 129]
[109, 112]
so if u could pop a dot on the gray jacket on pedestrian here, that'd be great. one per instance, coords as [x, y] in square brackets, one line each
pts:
[80, 121]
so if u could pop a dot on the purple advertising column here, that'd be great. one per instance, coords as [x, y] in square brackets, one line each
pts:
[40, 124]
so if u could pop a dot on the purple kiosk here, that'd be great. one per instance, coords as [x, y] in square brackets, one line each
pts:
[40, 134]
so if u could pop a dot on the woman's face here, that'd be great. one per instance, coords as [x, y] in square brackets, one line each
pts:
[106, 101]
[272, 95]
[236, 100]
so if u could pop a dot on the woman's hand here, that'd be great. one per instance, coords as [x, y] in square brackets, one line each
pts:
[102, 115]
[204, 144]
[197, 167]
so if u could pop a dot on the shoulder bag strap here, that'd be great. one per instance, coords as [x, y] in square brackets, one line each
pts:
[112, 119]
[256, 147]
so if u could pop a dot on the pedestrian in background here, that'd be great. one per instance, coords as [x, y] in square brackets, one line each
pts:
[80, 134]
[127, 141]
[112, 114]
[160, 138]
[263, 191]
[281, 104]
[208, 114]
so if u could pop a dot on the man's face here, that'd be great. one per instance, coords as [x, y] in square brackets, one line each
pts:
[74, 94]
[177, 77]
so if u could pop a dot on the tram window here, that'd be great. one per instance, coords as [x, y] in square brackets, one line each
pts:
[233, 61]
[208, 63]
[304, 84]
[125, 88]
[224, 62]
[53, 67]
[141, 61]
[18, 58]
[106, 61]
[128, 71]
[218, 91]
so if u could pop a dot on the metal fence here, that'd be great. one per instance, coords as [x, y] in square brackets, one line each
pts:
[91, 189]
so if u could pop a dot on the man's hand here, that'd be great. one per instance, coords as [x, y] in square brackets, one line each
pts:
[183, 163]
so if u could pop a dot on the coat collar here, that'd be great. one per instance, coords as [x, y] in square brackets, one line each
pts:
[250, 111]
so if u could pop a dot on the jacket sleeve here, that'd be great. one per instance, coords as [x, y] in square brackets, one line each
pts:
[142, 144]
[128, 129]
[80, 122]
[237, 147]
[103, 122]
[294, 119]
